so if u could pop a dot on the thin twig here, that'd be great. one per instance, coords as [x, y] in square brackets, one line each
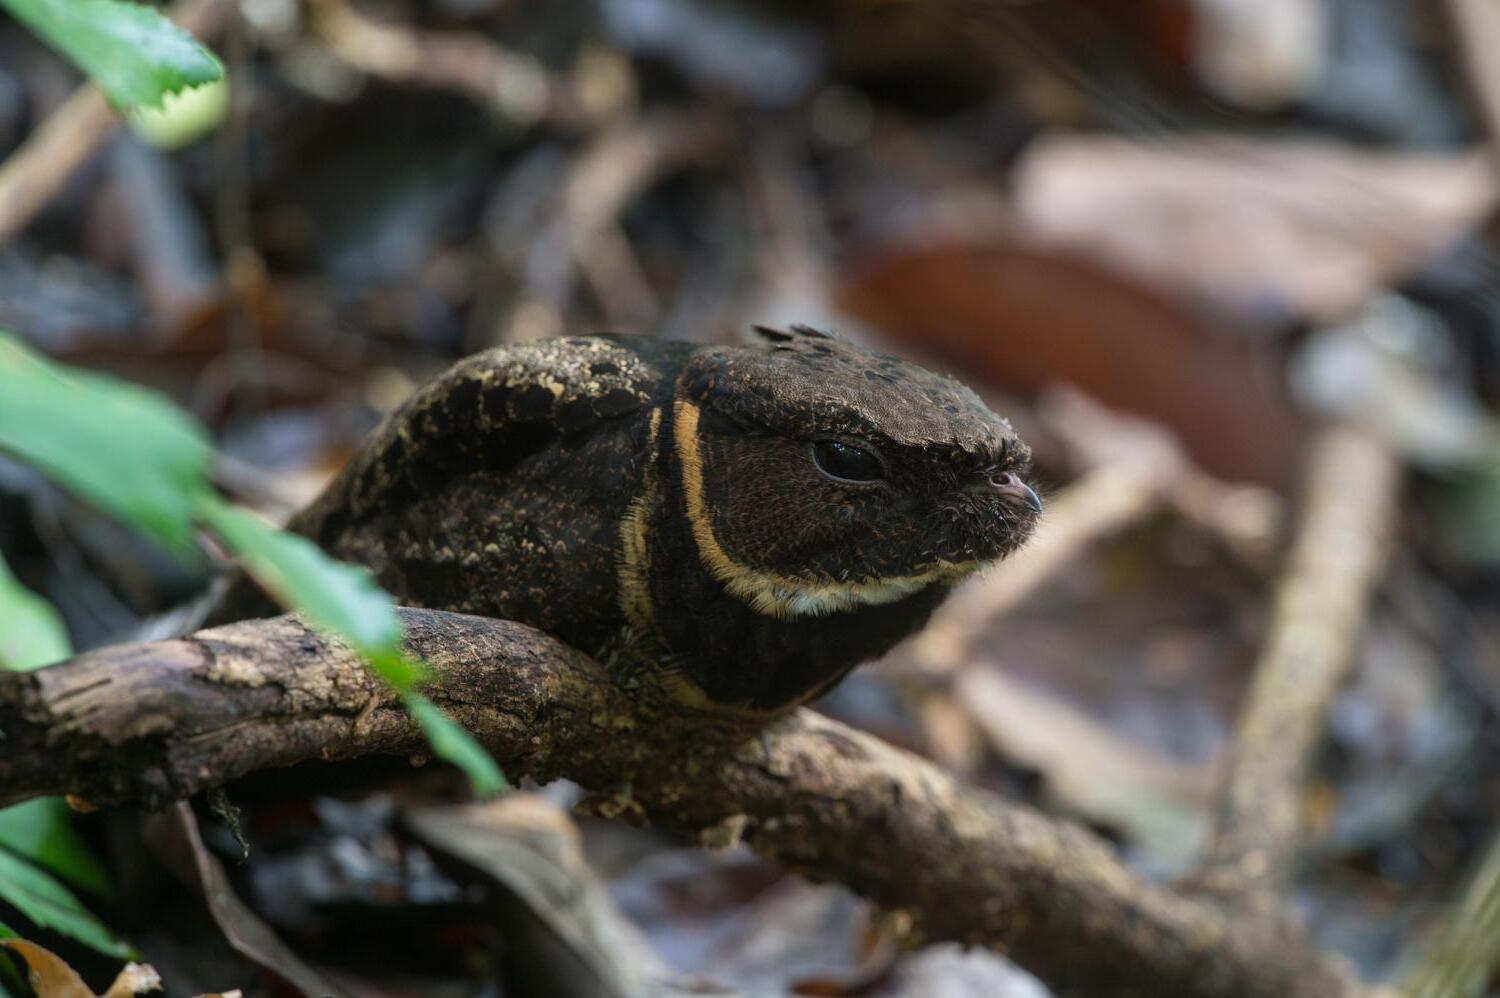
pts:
[512, 84]
[1100, 504]
[1341, 548]
[1476, 28]
[1097, 505]
[616, 168]
[32, 176]
[1133, 469]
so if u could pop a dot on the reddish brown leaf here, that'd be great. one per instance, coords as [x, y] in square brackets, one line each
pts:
[1025, 319]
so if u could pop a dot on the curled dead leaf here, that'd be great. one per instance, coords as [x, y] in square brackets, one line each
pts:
[51, 976]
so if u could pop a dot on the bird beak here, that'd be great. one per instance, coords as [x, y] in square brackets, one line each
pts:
[1019, 491]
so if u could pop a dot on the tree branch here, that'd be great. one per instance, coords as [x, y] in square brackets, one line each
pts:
[151, 723]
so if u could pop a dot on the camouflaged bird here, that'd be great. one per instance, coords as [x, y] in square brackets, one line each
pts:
[743, 524]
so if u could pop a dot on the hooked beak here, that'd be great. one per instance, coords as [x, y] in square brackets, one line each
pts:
[1010, 486]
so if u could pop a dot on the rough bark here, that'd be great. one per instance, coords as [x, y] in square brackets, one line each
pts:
[148, 724]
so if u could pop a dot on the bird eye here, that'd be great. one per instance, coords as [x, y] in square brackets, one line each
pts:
[846, 462]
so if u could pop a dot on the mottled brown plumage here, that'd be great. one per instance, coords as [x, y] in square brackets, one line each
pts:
[738, 526]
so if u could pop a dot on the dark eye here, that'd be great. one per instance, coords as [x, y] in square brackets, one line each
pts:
[847, 462]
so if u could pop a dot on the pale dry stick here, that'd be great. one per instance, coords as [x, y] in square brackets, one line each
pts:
[610, 173]
[1460, 961]
[1476, 25]
[617, 167]
[512, 84]
[614, 272]
[75, 132]
[152, 723]
[1351, 504]
[1246, 518]
[1136, 469]
[1100, 504]
[1092, 772]
[32, 175]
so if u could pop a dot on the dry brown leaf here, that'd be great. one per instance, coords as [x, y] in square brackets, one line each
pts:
[135, 979]
[1310, 228]
[177, 837]
[50, 975]
[529, 854]
[1026, 319]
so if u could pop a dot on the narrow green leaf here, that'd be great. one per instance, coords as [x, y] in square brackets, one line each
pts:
[334, 596]
[139, 458]
[451, 742]
[41, 898]
[402, 672]
[125, 449]
[344, 600]
[31, 633]
[135, 54]
[42, 831]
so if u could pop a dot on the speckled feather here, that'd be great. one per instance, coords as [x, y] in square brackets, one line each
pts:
[656, 504]
[804, 375]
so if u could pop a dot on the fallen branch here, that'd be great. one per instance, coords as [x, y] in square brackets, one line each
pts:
[148, 724]
[1341, 547]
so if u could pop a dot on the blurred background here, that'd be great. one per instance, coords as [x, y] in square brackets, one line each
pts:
[1167, 238]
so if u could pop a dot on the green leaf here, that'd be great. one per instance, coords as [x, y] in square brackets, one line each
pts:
[135, 455]
[334, 596]
[133, 53]
[451, 742]
[31, 633]
[41, 898]
[42, 831]
[345, 600]
[182, 118]
[127, 450]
